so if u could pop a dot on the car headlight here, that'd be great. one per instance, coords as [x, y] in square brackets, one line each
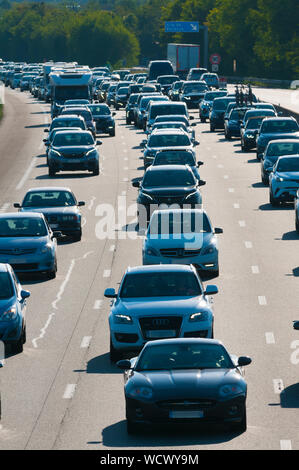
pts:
[55, 153]
[191, 195]
[121, 318]
[146, 195]
[90, 152]
[151, 251]
[9, 314]
[199, 316]
[279, 178]
[141, 392]
[249, 135]
[46, 249]
[229, 390]
[210, 248]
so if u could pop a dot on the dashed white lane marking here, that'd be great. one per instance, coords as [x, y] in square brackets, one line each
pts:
[220, 165]
[248, 244]
[126, 168]
[85, 341]
[255, 269]
[112, 248]
[98, 304]
[69, 391]
[126, 158]
[236, 205]
[84, 221]
[242, 223]
[285, 444]
[125, 151]
[262, 300]
[270, 337]
[278, 385]
[225, 177]
[123, 193]
[5, 207]
[26, 174]
[231, 190]
[107, 273]
[91, 203]
[125, 180]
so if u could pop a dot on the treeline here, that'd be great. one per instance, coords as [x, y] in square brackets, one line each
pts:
[260, 35]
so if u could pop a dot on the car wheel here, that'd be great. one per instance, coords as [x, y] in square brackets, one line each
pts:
[128, 121]
[264, 181]
[52, 273]
[202, 119]
[114, 354]
[273, 201]
[112, 133]
[51, 171]
[18, 345]
[96, 171]
[242, 426]
[77, 237]
[297, 225]
[228, 136]
[212, 128]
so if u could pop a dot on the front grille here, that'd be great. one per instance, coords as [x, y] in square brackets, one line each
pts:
[170, 199]
[186, 404]
[17, 251]
[74, 155]
[160, 324]
[178, 252]
[24, 267]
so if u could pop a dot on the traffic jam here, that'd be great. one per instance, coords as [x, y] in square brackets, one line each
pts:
[163, 314]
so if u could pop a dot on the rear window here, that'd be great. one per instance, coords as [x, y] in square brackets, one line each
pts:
[169, 140]
[165, 109]
[279, 126]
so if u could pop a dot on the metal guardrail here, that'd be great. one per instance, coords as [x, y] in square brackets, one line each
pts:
[267, 82]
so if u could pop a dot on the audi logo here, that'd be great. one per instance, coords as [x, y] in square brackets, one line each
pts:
[160, 322]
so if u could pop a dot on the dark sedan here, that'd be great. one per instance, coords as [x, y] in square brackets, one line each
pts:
[59, 206]
[185, 380]
[103, 118]
[167, 185]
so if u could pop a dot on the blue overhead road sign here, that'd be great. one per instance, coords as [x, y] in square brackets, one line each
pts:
[181, 26]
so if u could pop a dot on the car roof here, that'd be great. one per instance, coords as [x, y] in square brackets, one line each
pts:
[75, 131]
[21, 215]
[283, 141]
[3, 267]
[168, 131]
[68, 116]
[49, 188]
[204, 341]
[168, 103]
[281, 118]
[179, 211]
[169, 168]
[160, 268]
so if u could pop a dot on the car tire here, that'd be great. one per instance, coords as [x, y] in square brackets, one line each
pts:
[273, 201]
[202, 119]
[51, 171]
[297, 225]
[112, 133]
[77, 237]
[212, 128]
[241, 426]
[96, 170]
[52, 273]
[228, 136]
[264, 181]
[114, 354]
[128, 121]
[18, 345]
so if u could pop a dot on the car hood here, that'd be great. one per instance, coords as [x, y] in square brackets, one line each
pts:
[171, 192]
[100, 117]
[193, 241]
[72, 150]
[194, 93]
[292, 175]
[275, 136]
[22, 242]
[142, 307]
[5, 304]
[183, 384]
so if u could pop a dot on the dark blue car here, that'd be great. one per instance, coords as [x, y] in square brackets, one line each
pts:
[12, 309]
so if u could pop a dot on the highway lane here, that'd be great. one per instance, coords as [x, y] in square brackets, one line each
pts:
[66, 394]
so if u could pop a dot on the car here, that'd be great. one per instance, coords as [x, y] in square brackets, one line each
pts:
[218, 110]
[206, 103]
[274, 150]
[146, 307]
[27, 243]
[12, 310]
[232, 125]
[284, 180]
[195, 73]
[275, 128]
[130, 107]
[249, 132]
[178, 157]
[157, 68]
[166, 82]
[142, 108]
[161, 139]
[59, 206]
[182, 236]
[103, 118]
[174, 91]
[110, 94]
[167, 185]
[81, 111]
[192, 93]
[73, 150]
[175, 118]
[172, 125]
[257, 112]
[67, 121]
[48, 141]
[185, 380]
[163, 109]
[139, 98]
[77, 102]
[211, 79]
[121, 97]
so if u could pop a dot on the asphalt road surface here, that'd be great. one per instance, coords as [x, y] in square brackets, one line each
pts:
[62, 392]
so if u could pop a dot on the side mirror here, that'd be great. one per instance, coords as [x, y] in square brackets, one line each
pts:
[296, 325]
[218, 230]
[124, 364]
[191, 118]
[110, 293]
[199, 163]
[81, 203]
[46, 130]
[136, 184]
[17, 205]
[244, 361]
[195, 143]
[201, 182]
[25, 294]
[193, 124]
[114, 113]
[211, 290]
[57, 234]
[99, 142]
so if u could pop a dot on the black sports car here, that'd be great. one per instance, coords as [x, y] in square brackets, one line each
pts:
[185, 380]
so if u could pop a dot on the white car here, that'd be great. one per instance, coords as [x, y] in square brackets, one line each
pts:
[182, 236]
[284, 180]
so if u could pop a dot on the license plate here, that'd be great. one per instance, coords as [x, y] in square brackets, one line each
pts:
[185, 414]
[72, 160]
[161, 334]
[54, 225]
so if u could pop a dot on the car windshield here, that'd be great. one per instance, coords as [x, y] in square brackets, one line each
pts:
[288, 164]
[184, 356]
[278, 149]
[169, 178]
[237, 114]
[75, 139]
[76, 102]
[176, 85]
[170, 125]
[173, 117]
[6, 289]
[160, 284]
[270, 127]
[165, 223]
[163, 109]
[49, 199]
[258, 112]
[167, 80]
[133, 99]
[67, 123]
[81, 112]
[254, 123]
[97, 110]
[69, 92]
[22, 227]
[169, 140]
[194, 88]
[123, 91]
[174, 158]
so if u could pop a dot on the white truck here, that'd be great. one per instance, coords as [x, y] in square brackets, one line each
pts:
[183, 57]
